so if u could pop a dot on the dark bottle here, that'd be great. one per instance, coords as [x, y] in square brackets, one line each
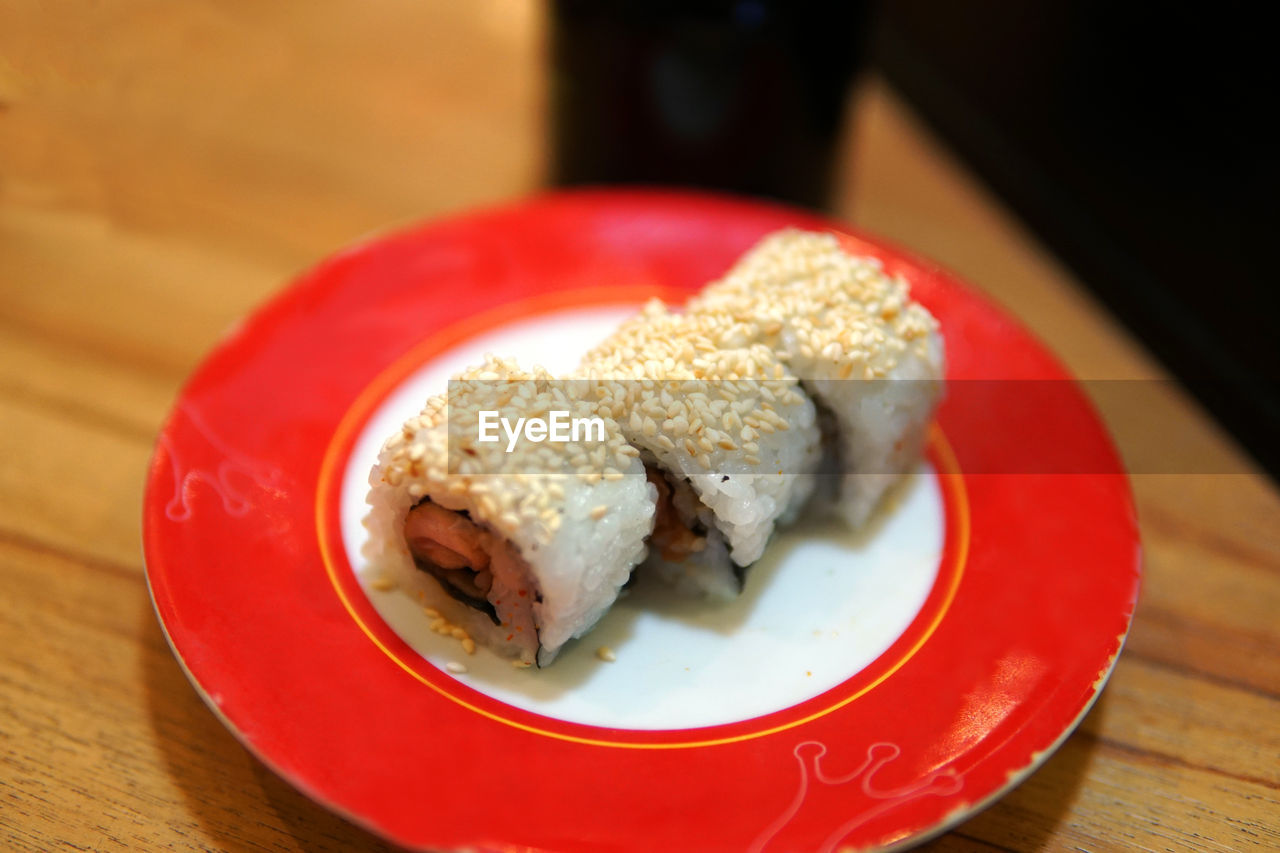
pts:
[741, 95]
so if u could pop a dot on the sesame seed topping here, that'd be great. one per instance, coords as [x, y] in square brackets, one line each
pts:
[437, 454]
[804, 294]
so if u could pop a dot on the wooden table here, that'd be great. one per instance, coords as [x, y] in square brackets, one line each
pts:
[164, 167]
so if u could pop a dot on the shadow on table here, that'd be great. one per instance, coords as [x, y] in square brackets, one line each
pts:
[1029, 816]
[238, 801]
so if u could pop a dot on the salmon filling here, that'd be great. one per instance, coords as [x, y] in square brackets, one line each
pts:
[476, 567]
[674, 538]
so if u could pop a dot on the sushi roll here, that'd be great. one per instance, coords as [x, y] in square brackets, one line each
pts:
[726, 435]
[870, 357]
[517, 545]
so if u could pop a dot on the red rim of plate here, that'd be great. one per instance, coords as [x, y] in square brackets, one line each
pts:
[248, 576]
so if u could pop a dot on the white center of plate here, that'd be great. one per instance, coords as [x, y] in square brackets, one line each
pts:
[819, 607]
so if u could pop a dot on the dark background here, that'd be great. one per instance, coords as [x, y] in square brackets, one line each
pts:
[1139, 143]
[1136, 141]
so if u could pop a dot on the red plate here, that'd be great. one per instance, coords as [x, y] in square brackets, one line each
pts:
[1027, 597]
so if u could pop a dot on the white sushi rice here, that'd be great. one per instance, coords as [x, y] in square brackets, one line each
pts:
[730, 422]
[577, 513]
[868, 354]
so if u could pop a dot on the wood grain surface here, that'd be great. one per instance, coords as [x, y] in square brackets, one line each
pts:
[166, 166]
